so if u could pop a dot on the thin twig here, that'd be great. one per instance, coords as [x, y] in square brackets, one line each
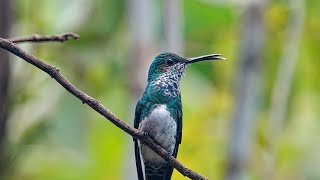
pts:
[45, 38]
[98, 107]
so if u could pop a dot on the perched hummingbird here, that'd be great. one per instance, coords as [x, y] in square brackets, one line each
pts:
[159, 113]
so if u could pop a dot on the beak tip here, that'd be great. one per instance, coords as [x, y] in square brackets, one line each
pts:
[218, 57]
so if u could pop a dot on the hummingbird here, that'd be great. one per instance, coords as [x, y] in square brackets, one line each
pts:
[159, 113]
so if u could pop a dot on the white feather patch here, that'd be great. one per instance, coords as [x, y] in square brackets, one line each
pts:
[163, 128]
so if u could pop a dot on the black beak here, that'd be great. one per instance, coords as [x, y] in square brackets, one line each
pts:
[205, 58]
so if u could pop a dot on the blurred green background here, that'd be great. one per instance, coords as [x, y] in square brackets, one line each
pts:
[52, 135]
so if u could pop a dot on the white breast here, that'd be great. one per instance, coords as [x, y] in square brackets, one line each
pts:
[163, 128]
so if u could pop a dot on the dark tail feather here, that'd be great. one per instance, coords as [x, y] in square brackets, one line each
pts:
[155, 177]
[166, 176]
[138, 160]
[158, 173]
[169, 173]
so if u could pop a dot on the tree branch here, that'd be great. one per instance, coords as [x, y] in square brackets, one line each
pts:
[45, 38]
[53, 71]
[5, 27]
[286, 69]
[247, 91]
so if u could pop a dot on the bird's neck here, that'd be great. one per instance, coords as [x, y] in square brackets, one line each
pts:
[164, 88]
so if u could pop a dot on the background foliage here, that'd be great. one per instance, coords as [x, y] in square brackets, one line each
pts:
[51, 135]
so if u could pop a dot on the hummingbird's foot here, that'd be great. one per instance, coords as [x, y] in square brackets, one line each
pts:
[145, 134]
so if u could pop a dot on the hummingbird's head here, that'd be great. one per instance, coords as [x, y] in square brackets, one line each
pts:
[170, 65]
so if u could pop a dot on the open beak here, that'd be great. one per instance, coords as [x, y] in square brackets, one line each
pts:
[205, 58]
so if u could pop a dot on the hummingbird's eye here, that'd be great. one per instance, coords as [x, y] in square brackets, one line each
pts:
[170, 62]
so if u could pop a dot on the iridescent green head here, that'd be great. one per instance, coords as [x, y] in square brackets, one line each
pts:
[170, 65]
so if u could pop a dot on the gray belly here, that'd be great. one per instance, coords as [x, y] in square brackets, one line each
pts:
[163, 128]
